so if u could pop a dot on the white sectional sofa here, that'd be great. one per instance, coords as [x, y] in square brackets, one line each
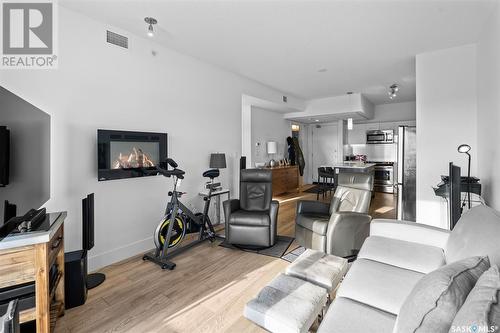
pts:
[395, 257]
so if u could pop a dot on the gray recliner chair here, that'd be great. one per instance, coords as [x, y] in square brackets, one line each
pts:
[252, 220]
[9, 322]
[340, 227]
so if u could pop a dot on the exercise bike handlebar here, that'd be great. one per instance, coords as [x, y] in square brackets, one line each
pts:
[167, 173]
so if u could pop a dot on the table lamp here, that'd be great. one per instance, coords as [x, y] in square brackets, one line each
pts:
[218, 161]
[272, 148]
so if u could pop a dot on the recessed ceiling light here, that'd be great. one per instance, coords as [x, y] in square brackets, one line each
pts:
[322, 70]
[316, 120]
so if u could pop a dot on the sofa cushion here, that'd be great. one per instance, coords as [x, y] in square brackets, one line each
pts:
[408, 255]
[410, 232]
[379, 285]
[243, 217]
[482, 306]
[319, 268]
[317, 223]
[438, 296]
[346, 315]
[476, 234]
[286, 304]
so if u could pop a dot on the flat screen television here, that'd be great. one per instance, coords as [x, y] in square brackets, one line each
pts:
[24, 156]
[455, 188]
[126, 154]
[4, 156]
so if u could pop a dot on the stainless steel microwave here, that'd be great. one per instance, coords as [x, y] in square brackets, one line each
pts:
[380, 136]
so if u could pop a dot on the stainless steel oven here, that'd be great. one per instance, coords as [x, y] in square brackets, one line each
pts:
[384, 177]
[378, 136]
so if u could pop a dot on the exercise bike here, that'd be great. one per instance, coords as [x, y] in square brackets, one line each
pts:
[178, 219]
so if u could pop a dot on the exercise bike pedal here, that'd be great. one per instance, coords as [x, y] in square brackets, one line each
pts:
[169, 266]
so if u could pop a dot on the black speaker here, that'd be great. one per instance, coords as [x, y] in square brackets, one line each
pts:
[77, 281]
[4, 155]
[243, 162]
[75, 278]
[9, 211]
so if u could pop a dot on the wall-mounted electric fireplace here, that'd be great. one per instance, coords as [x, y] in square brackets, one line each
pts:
[124, 154]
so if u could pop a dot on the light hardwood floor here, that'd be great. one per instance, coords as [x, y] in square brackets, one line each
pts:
[205, 293]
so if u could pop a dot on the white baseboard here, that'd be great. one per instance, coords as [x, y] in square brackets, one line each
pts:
[118, 254]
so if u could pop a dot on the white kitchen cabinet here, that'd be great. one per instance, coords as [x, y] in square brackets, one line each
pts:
[389, 125]
[357, 135]
[395, 124]
[372, 126]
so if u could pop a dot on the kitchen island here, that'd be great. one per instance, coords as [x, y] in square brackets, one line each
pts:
[357, 166]
[351, 167]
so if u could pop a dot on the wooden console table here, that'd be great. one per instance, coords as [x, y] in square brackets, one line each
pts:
[28, 257]
[285, 179]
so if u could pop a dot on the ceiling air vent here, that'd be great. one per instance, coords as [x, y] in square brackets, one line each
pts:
[285, 99]
[116, 39]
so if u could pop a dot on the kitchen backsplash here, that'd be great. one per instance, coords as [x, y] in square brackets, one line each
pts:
[386, 152]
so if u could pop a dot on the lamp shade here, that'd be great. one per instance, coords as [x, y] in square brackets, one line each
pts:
[218, 161]
[272, 147]
[464, 148]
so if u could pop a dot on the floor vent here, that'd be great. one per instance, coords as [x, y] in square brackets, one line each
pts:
[116, 39]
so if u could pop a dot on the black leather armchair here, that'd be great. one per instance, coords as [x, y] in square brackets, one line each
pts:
[252, 220]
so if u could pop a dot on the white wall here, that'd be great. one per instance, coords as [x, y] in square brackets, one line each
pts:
[446, 118]
[267, 126]
[98, 85]
[488, 103]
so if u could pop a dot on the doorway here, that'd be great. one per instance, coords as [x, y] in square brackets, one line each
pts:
[325, 145]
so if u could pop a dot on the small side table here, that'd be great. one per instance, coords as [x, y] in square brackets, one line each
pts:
[217, 195]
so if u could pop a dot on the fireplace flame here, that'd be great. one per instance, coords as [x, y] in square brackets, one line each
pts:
[136, 159]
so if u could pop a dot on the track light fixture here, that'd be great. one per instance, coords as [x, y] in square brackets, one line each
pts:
[151, 21]
[393, 91]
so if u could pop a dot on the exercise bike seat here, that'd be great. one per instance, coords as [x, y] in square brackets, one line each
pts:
[212, 173]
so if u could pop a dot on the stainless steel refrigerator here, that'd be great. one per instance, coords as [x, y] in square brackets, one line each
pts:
[407, 173]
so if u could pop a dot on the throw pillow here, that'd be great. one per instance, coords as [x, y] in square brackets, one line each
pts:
[481, 310]
[437, 297]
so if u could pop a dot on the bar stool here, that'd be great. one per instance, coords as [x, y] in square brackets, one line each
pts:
[325, 180]
[330, 179]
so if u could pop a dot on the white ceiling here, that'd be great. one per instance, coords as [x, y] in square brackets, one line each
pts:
[364, 45]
